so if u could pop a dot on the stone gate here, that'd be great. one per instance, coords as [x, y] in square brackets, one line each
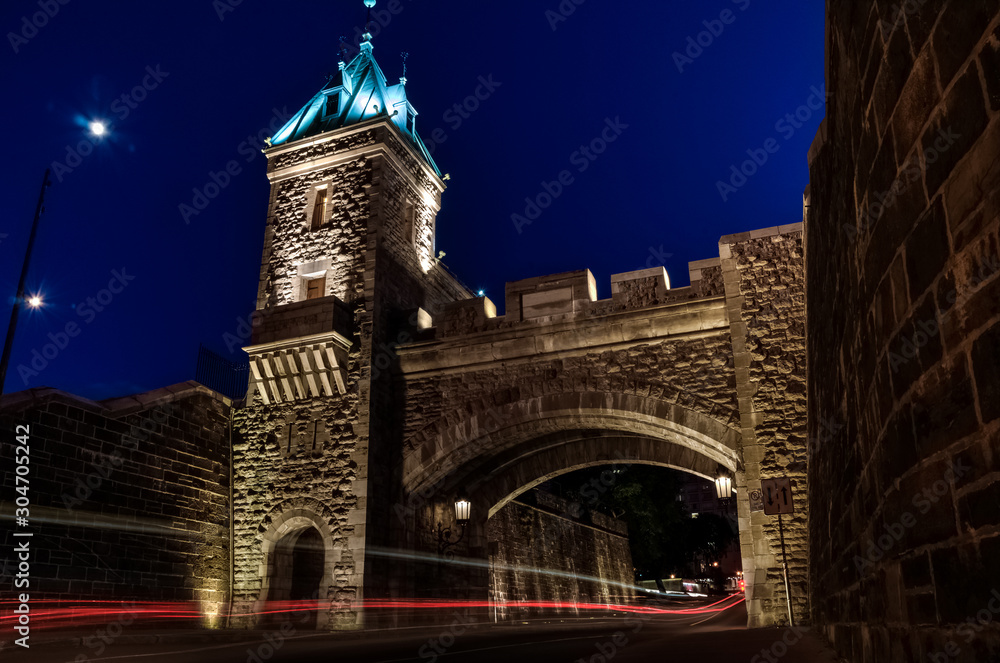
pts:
[381, 387]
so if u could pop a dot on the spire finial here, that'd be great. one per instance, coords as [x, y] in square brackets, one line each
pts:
[404, 55]
[366, 38]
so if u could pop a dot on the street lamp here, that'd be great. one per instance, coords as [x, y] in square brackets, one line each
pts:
[98, 128]
[724, 487]
[723, 483]
[35, 300]
[463, 509]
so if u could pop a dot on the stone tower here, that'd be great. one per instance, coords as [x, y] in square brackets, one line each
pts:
[348, 271]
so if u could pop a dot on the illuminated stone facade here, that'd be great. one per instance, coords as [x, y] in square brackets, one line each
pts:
[381, 388]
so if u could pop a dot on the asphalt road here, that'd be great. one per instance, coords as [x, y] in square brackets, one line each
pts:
[703, 638]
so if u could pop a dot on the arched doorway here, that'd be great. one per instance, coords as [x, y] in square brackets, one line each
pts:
[297, 571]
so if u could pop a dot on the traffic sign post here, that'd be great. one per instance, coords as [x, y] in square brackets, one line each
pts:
[777, 495]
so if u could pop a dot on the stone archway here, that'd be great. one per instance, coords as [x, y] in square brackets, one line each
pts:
[496, 454]
[441, 450]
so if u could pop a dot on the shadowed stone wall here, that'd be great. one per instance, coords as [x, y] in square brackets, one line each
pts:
[129, 498]
[904, 333]
[541, 550]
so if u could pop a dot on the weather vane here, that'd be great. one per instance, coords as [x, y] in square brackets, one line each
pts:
[404, 55]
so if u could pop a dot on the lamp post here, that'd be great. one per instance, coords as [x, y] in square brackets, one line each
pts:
[99, 130]
[19, 298]
[463, 509]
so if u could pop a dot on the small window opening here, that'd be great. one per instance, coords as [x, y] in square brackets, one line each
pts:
[314, 288]
[409, 221]
[319, 209]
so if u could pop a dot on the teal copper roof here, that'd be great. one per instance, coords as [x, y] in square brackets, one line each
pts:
[358, 92]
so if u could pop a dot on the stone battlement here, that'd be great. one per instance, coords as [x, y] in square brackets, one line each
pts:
[573, 295]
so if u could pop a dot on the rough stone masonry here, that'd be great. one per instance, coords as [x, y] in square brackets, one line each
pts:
[903, 276]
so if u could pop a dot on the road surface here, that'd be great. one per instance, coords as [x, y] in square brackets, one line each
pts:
[629, 639]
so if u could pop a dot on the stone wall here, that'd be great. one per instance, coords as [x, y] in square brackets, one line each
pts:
[765, 294]
[540, 550]
[129, 498]
[904, 333]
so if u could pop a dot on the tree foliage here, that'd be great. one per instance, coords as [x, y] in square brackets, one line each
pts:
[663, 536]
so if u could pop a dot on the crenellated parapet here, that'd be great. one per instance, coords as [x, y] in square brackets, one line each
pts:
[572, 296]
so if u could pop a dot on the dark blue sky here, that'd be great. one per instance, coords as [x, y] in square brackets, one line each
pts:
[212, 75]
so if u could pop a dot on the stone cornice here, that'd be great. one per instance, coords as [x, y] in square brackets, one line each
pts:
[327, 161]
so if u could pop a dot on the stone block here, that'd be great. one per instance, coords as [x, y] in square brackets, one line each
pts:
[958, 31]
[956, 129]
[546, 296]
[927, 250]
[986, 367]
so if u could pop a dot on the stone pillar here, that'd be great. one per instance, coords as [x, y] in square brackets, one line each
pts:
[765, 296]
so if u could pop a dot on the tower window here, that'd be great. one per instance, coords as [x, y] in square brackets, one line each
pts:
[409, 121]
[315, 287]
[319, 209]
[409, 221]
[332, 104]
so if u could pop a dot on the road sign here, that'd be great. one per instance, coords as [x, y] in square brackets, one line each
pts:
[777, 496]
[756, 500]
